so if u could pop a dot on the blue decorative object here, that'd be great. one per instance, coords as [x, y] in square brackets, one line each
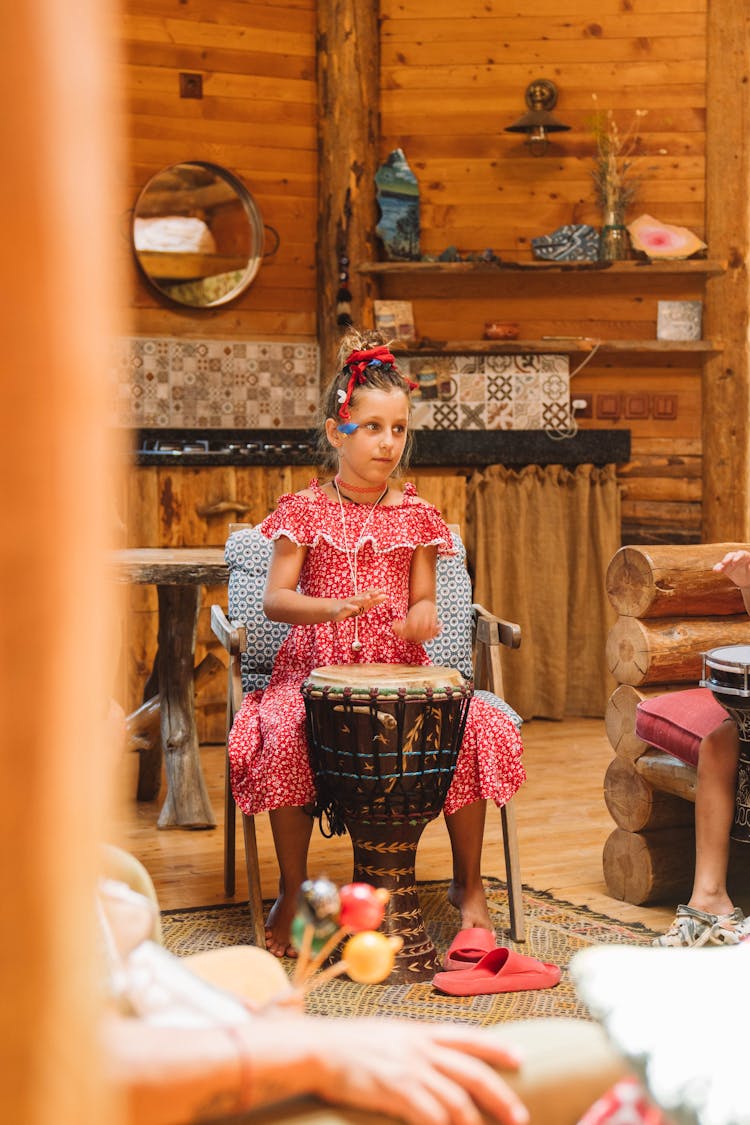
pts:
[575, 242]
[398, 199]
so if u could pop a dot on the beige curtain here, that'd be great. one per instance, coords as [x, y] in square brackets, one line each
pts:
[540, 540]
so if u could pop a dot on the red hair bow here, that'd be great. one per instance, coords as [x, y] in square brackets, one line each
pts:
[357, 362]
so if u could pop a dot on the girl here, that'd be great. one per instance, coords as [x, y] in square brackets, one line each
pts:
[353, 571]
[710, 917]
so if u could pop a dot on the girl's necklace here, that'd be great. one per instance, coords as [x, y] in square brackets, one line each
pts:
[356, 488]
[351, 556]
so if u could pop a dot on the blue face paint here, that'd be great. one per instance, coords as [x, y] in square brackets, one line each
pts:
[347, 427]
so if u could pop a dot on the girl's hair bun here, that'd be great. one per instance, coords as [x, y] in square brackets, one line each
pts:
[356, 341]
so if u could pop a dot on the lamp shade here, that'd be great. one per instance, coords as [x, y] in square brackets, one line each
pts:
[541, 98]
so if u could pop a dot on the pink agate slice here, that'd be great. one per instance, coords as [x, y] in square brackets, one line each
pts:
[660, 240]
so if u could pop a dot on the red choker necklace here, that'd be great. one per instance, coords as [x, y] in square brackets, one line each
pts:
[355, 488]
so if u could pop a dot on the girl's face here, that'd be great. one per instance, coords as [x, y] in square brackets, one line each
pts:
[373, 451]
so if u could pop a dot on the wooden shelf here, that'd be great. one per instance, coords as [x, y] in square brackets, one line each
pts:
[556, 346]
[699, 266]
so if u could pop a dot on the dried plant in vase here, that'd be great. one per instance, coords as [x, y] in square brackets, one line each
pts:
[615, 181]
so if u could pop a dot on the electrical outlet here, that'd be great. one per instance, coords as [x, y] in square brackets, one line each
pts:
[582, 406]
[609, 406]
[664, 408]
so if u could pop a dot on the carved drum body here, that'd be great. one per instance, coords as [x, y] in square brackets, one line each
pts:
[384, 741]
[726, 672]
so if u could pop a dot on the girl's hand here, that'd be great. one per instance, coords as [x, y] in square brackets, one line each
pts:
[420, 624]
[341, 608]
[736, 565]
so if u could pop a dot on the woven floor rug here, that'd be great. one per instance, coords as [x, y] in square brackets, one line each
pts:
[555, 930]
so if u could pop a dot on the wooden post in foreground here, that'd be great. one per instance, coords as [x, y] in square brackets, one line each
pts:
[59, 214]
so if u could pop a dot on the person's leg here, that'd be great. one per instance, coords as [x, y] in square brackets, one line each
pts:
[291, 828]
[714, 811]
[466, 891]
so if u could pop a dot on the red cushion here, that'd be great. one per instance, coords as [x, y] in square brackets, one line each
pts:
[677, 722]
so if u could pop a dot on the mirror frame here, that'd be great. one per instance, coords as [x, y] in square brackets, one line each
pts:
[255, 222]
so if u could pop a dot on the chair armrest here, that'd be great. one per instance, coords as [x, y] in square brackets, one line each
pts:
[231, 634]
[491, 630]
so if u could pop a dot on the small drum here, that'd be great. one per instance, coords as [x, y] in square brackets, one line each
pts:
[726, 672]
[384, 742]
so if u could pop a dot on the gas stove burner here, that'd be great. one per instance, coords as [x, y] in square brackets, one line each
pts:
[231, 447]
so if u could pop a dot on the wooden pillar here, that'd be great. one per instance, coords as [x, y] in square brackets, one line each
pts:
[348, 157]
[60, 213]
[726, 427]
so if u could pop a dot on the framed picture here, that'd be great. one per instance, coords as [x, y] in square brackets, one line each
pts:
[395, 319]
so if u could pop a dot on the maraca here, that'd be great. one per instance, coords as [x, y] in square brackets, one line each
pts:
[318, 937]
[362, 906]
[369, 956]
[319, 902]
[315, 922]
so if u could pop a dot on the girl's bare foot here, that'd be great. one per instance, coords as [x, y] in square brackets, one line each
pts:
[472, 903]
[279, 924]
[719, 904]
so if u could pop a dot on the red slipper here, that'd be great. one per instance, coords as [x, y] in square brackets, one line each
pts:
[500, 970]
[468, 947]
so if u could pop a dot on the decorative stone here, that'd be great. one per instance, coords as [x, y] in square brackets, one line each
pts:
[660, 240]
[398, 199]
[575, 242]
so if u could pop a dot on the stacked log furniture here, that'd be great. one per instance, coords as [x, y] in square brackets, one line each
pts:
[672, 607]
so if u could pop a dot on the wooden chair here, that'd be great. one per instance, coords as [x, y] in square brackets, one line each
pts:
[469, 641]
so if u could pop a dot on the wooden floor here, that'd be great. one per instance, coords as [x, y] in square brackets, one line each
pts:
[563, 824]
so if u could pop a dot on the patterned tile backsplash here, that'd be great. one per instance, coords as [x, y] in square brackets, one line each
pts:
[490, 392]
[226, 384]
[209, 384]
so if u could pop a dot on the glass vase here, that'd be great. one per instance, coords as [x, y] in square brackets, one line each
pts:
[614, 241]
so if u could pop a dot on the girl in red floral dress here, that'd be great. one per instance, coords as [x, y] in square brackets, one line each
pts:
[353, 571]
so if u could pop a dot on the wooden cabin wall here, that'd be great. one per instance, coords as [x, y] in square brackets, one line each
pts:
[452, 77]
[257, 117]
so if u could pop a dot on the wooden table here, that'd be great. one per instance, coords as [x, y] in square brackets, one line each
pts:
[178, 574]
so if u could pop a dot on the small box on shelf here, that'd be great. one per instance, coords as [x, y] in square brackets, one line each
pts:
[395, 319]
[679, 320]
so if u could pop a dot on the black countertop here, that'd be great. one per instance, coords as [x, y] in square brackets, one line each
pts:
[431, 447]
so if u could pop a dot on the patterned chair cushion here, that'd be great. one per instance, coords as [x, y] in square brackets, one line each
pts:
[452, 648]
[248, 555]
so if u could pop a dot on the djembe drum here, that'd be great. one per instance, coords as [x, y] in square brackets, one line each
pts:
[384, 741]
[726, 672]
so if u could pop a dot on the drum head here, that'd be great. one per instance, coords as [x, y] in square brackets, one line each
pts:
[729, 654]
[386, 677]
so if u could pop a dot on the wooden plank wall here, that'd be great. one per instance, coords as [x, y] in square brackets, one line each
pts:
[453, 76]
[257, 117]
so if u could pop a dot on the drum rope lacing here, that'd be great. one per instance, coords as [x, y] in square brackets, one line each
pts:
[351, 556]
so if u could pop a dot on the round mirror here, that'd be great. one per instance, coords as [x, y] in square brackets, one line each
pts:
[197, 234]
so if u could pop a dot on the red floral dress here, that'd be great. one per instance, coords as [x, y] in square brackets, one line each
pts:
[267, 745]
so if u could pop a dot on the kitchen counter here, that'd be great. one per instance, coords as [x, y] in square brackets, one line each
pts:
[471, 448]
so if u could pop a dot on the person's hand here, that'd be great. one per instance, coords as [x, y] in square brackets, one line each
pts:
[424, 1074]
[357, 604]
[736, 566]
[420, 624]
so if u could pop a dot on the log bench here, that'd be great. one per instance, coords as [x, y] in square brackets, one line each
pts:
[671, 608]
